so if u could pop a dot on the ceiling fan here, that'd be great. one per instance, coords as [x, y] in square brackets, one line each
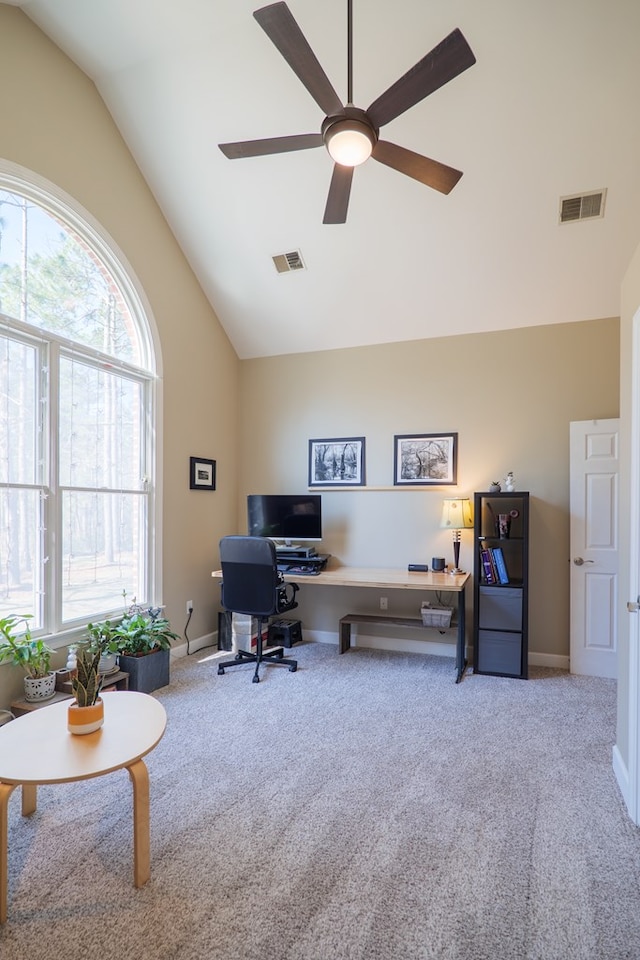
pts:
[349, 133]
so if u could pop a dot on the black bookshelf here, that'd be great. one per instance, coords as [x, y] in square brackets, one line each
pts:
[501, 584]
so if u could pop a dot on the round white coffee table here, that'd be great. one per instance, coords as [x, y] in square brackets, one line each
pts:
[37, 748]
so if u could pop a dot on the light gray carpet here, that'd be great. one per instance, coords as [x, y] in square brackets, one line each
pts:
[363, 808]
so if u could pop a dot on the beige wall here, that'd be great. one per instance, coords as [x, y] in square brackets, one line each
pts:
[55, 124]
[510, 396]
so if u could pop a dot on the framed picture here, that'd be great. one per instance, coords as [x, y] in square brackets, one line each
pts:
[429, 459]
[336, 463]
[202, 473]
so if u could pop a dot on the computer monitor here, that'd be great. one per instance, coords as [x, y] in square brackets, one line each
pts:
[285, 517]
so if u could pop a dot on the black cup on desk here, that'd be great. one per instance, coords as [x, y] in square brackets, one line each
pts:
[437, 563]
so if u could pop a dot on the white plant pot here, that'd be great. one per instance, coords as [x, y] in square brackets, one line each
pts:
[42, 688]
[108, 663]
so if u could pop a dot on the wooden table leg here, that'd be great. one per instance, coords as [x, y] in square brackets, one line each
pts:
[141, 827]
[29, 798]
[6, 789]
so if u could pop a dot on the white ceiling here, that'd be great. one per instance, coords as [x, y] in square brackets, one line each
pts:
[549, 109]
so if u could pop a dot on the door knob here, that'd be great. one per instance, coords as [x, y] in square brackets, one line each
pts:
[579, 561]
[633, 607]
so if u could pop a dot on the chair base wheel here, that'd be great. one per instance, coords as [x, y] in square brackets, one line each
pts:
[220, 671]
[256, 679]
[293, 668]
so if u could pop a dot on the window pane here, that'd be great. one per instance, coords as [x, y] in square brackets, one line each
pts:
[102, 552]
[51, 279]
[20, 553]
[100, 443]
[18, 412]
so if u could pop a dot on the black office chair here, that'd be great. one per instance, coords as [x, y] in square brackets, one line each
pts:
[251, 584]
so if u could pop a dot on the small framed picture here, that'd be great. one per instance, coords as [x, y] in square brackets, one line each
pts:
[429, 459]
[202, 473]
[337, 462]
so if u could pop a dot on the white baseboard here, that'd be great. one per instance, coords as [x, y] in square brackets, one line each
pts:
[621, 773]
[554, 660]
[209, 640]
[435, 647]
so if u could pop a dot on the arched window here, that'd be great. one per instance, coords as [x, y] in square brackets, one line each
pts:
[76, 418]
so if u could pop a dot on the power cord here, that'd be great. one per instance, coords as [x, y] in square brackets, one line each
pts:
[186, 635]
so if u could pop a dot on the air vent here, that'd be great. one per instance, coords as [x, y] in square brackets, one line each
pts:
[286, 262]
[583, 206]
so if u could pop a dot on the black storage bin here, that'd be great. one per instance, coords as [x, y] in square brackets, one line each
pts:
[284, 633]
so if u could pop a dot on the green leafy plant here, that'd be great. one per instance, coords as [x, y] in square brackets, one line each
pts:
[18, 646]
[103, 637]
[87, 683]
[142, 630]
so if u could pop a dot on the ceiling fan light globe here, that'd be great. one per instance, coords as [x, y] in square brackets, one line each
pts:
[349, 142]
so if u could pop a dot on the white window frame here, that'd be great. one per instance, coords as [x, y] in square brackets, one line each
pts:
[17, 180]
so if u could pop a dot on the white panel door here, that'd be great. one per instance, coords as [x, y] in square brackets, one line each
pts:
[594, 491]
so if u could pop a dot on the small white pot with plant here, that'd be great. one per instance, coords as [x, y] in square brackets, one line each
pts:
[34, 656]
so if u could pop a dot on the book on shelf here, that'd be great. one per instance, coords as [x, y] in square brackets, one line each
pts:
[487, 566]
[501, 567]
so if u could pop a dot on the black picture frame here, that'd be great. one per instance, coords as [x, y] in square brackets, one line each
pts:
[202, 473]
[425, 459]
[337, 462]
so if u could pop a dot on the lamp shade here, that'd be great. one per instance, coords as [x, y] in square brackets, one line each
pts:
[456, 513]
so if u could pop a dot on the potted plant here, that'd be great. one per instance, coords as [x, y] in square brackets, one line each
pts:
[144, 641]
[34, 656]
[86, 713]
[102, 639]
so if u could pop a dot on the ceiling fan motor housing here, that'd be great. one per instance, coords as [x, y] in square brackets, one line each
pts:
[350, 129]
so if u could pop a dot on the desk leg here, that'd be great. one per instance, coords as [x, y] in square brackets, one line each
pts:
[6, 789]
[344, 640]
[461, 663]
[141, 829]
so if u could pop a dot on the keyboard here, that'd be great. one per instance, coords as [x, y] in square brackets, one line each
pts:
[298, 570]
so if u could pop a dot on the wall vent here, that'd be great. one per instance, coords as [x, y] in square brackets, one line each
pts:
[582, 206]
[286, 262]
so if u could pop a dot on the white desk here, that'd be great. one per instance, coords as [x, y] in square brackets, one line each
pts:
[37, 748]
[390, 578]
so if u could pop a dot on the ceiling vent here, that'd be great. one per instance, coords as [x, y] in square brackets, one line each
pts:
[286, 262]
[583, 206]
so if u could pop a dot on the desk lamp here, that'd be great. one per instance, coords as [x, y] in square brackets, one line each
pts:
[456, 516]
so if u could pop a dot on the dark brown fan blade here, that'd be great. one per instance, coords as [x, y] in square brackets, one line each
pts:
[338, 199]
[260, 148]
[430, 172]
[278, 23]
[446, 61]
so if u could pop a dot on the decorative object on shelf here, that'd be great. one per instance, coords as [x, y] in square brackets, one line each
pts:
[335, 463]
[202, 473]
[504, 526]
[34, 656]
[438, 564]
[425, 459]
[494, 486]
[509, 482]
[457, 515]
[86, 713]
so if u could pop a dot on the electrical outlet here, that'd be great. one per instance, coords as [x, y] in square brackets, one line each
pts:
[383, 603]
[189, 607]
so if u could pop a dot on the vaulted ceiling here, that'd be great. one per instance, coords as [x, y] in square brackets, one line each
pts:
[550, 109]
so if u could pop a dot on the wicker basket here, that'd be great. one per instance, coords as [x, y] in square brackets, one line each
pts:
[439, 617]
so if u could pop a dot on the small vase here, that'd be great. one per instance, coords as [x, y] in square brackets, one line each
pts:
[82, 720]
[39, 688]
